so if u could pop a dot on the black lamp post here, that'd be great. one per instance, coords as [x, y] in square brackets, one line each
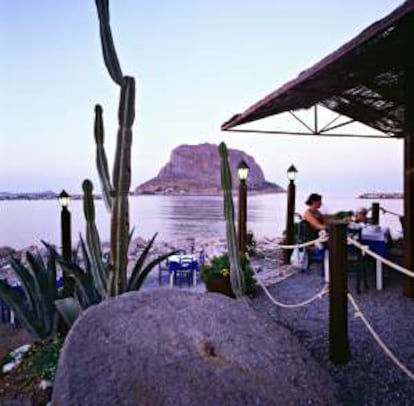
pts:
[243, 172]
[290, 232]
[65, 225]
[65, 221]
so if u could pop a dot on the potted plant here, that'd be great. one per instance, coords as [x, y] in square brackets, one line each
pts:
[216, 275]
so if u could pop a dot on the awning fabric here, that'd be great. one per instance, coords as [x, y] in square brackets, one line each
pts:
[363, 79]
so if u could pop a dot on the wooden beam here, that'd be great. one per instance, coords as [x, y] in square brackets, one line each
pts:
[408, 288]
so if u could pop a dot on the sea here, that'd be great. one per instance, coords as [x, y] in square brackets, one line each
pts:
[24, 223]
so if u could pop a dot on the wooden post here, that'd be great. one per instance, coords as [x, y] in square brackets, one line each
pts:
[338, 301]
[375, 213]
[65, 221]
[242, 215]
[408, 287]
[290, 232]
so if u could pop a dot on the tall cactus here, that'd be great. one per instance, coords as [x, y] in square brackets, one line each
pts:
[116, 192]
[237, 281]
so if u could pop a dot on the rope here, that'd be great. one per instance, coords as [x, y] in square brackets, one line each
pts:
[385, 261]
[304, 244]
[319, 295]
[388, 352]
[390, 212]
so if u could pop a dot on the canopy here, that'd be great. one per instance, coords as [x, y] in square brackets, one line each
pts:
[363, 79]
[371, 80]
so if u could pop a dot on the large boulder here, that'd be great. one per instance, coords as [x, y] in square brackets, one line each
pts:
[166, 347]
[195, 169]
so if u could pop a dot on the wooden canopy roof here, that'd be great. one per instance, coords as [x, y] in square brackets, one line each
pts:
[363, 79]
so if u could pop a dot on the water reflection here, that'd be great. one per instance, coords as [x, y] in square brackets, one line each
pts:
[23, 223]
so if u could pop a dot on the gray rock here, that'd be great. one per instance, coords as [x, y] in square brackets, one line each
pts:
[6, 252]
[195, 169]
[168, 347]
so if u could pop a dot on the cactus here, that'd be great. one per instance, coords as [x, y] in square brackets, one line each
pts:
[116, 192]
[237, 281]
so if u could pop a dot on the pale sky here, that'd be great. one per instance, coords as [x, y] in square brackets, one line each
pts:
[196, 64]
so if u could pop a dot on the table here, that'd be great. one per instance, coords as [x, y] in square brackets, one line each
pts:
[376, 238]
[183, 262]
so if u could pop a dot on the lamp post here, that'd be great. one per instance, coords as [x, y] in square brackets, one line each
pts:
[64, 200]
[65, 221]
[290, 232]
[243, 172]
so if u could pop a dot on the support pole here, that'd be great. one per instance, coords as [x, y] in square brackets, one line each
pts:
[290, 231]
[338, 301]
[242, 215]
[66, 245]
[375, 213]
[408, 286]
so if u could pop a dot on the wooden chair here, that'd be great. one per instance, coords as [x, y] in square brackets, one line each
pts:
[356, 262]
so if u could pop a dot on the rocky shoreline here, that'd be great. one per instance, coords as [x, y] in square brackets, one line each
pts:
[381, 196]
[211, 247]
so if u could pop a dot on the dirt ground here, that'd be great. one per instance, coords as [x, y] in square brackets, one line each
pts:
[11, 338]
[12, 389]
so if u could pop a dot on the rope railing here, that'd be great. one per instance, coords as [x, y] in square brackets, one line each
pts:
[318, 295]
[317, 241]
[365, 249]
[385, 211]
[388, 352]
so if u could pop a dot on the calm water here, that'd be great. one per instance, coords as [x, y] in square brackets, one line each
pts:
[23, 223]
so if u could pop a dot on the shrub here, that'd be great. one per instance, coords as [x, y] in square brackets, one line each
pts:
[220, 266]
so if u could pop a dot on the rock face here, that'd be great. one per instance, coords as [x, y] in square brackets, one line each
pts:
[195, 169]
[168, 347]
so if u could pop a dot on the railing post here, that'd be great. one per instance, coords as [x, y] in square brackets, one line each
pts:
[338, 301]
[408, 95]
[242, 215]
[290, 225]
[375, 213]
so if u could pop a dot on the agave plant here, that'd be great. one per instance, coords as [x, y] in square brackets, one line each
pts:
[93, 275]
[34, 302]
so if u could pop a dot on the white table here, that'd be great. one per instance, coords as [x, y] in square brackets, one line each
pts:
[376, 237]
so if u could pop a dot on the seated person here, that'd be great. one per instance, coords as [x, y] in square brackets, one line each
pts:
[313, 216]
[361, 215]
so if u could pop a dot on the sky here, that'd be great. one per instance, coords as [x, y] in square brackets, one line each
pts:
[196, 63]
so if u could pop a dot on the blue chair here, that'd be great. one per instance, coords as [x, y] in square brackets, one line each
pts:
[185, 272]
[5, 311]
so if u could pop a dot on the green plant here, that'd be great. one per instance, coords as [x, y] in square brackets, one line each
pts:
[44, 358]
[34, 302]
[100, 279]
[220, 267]
[238, 283]
[94, 280]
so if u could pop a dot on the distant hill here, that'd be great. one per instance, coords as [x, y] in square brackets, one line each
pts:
[195, 169]
[45, 195]
[376, 195]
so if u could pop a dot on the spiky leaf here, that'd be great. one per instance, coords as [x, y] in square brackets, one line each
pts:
[69, 309]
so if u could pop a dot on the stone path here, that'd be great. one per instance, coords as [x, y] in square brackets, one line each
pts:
[268, 263]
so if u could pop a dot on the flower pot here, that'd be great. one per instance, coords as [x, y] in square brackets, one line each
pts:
[220, 284]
